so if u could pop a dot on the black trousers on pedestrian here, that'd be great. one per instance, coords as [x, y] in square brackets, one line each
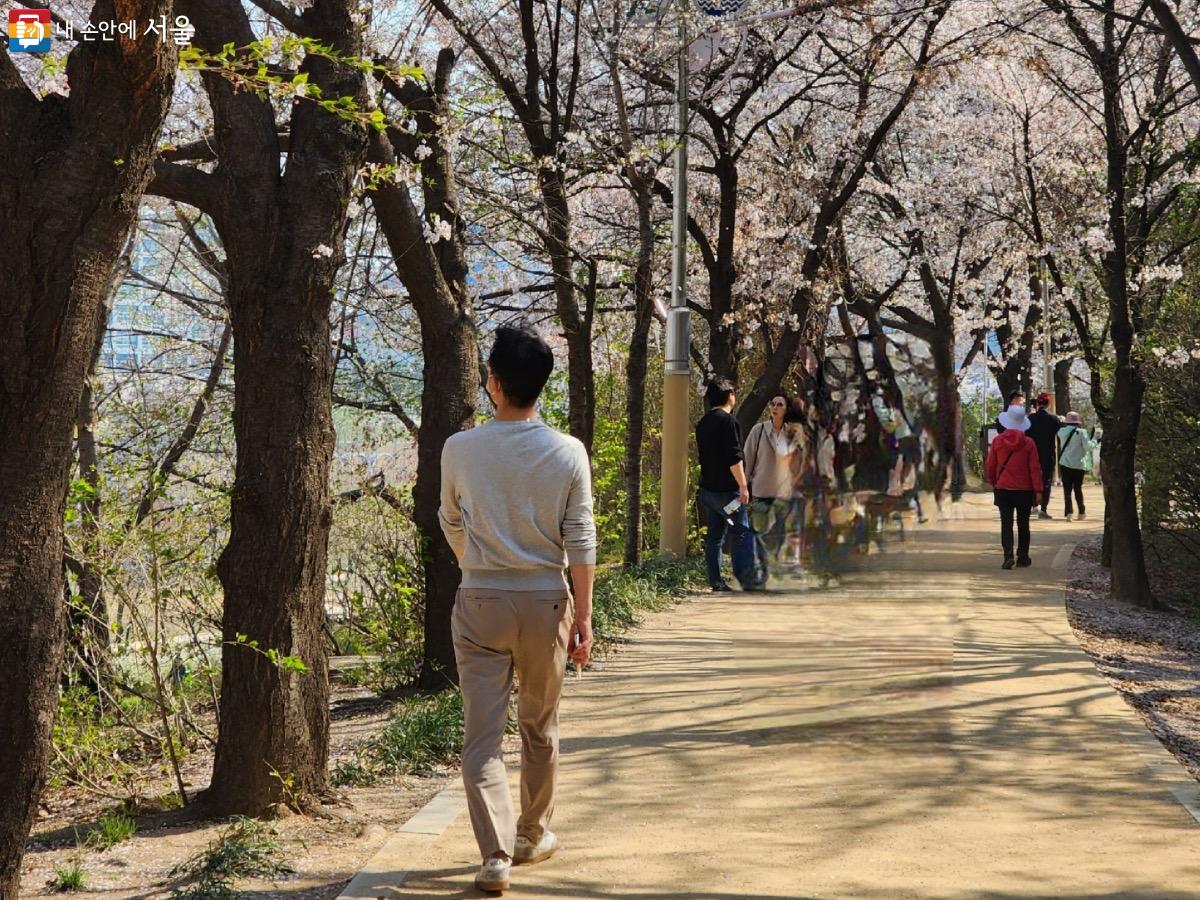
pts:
[1047, 484]
[1014, 505]
[1072, 480]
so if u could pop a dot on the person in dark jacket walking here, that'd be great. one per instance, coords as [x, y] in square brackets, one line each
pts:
[1015, 475]
[1043, 431]
[724, 493]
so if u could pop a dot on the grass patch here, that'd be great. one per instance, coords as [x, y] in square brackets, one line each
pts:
[388, 674]
[68, 878]
[243, 850]
[425, 732]
[113, 828]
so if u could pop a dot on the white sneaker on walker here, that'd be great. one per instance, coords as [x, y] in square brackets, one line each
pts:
[493, 874]
[527, 852]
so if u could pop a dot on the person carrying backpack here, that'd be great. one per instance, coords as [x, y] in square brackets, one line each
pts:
[1015, 475]
[1074, 460]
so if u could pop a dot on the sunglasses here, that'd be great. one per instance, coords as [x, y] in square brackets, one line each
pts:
[776, 403]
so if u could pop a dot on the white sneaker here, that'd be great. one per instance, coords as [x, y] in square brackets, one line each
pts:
[1067, 517]
[493, 874]
[527, 853]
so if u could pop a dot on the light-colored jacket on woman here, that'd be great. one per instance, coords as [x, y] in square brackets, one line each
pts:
[1074, 446]
[768, 460]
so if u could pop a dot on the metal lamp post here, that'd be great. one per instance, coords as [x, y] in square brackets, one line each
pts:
[677, 368]
[1047, 362]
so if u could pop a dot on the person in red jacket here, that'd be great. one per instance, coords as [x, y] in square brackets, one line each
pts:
[1015, 474]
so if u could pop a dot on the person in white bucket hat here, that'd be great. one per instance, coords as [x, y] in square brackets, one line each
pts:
[1015, 474]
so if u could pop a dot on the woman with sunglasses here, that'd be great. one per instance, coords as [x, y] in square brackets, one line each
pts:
[768, 451]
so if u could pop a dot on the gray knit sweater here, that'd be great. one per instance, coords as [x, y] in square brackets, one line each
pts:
[517, 505]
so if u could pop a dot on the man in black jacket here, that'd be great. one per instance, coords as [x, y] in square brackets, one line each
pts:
[1043, 429]
[723, 489]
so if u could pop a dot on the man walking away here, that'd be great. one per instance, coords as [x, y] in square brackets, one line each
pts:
[1043, 430]
[1016, 478]
[516, 507]
[768, 454]
[723, 490]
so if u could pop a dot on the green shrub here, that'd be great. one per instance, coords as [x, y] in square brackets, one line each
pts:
[621, 594]
[377, 580]
[113, 828]
[69, 877]
[352, 773]
[424, 734]
[92, 745]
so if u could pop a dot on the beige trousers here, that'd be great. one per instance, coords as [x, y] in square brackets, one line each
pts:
[495, 633]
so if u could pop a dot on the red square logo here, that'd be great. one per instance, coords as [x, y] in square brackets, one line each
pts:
[29, 30]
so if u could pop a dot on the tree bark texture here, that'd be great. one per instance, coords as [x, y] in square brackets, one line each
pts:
[283, 232]
[641, 190]
[576, 324]
[77, 167]
[635, 377]
[436, 279]
[949, 416]
[1130, 580]
[723, 336]
[1062, 385]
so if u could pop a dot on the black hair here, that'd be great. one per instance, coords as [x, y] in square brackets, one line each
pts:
[521, 361]
[1014, 395]
[717, 393]
[795, 411]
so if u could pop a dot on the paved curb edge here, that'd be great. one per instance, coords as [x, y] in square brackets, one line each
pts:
[385, 871]
[1162, 766]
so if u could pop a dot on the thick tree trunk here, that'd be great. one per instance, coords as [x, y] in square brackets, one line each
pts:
[949, 417]
[65, 211]
[1130, 581]
[723, 337]
[436, 279]
[447, 407]
[635, 379]
[275, 721]
[581, 382]
[1062, 385]
[1106, 541]
[283, 233]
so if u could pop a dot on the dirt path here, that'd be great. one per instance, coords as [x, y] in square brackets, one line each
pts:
[930, 729]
